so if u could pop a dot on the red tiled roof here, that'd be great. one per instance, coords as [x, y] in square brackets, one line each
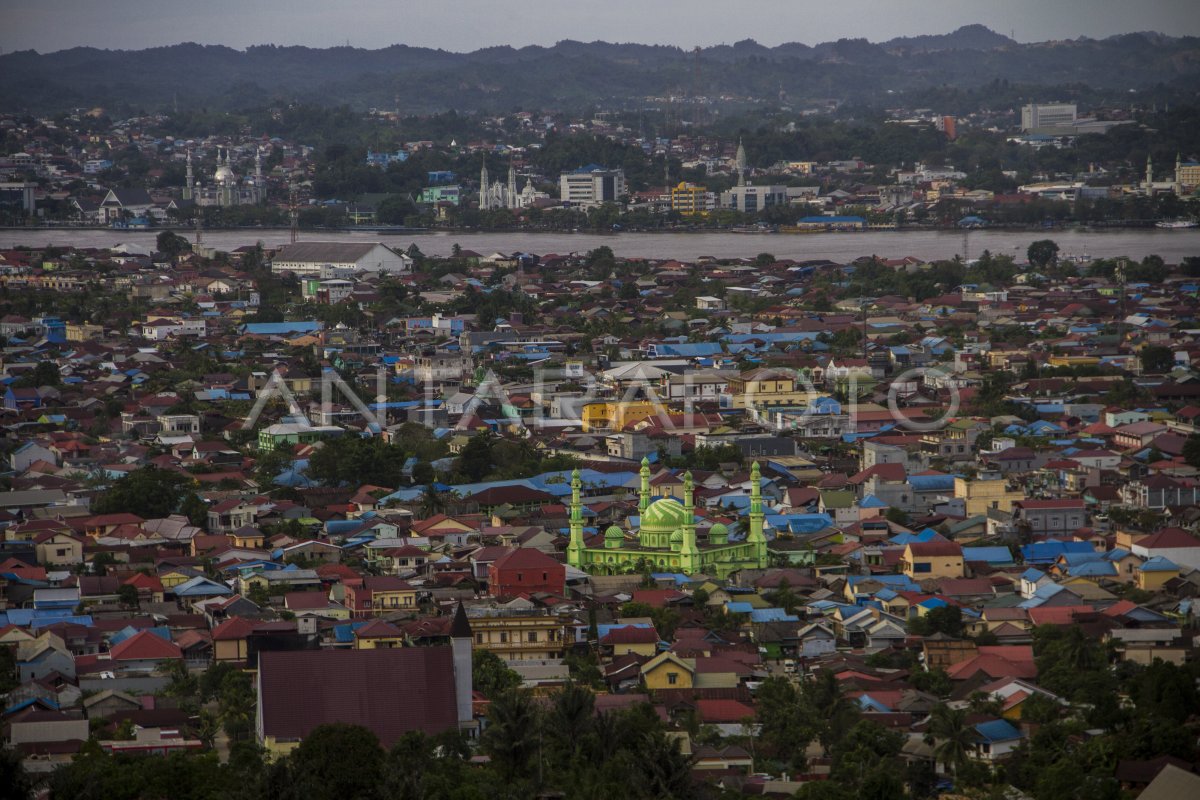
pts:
[145, 646]
[726, 711]
[630, 634]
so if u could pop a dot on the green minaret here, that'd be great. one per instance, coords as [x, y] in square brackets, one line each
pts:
[689, 553]
[756, 538]
[644, 492]
[575, 547]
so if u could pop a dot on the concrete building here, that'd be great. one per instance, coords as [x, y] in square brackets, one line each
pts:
[1036, 116]
[592, 185]
[311, 258]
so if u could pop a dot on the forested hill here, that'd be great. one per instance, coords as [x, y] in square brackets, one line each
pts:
[574, 75]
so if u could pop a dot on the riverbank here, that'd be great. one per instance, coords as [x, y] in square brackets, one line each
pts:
[1171, 245]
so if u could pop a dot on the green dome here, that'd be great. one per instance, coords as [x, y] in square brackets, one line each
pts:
[664, 515]
[677, 536]
[718, 530]
[614, 532]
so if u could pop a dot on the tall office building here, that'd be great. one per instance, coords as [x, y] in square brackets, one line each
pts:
[1048, 115]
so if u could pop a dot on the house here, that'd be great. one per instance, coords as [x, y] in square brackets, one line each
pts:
[518, 633]
[668, 671]
[144, 652]
[524, 570]
[1050, 517]
[58, 549]
[932, 560]
[1173, 544]
[995, 740]
[624, 639]
[378, 595]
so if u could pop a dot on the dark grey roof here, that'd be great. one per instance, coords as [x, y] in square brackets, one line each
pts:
[326, 252]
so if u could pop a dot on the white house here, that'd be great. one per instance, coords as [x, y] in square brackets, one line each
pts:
[1173, 544]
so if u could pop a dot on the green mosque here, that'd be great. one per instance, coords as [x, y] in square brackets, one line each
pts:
[666, 540]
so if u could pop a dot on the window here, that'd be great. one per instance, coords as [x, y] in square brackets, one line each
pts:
[503, 637]
[672, 678]
[922, 566]
[520, 577]
[479, 638]
[533, 636]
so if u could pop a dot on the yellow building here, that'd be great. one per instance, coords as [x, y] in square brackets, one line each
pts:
[518, 634]
[767, 387]
[59, 549]
[669, 671]
[172, 578]
[378, 634]
[614, 416]
[1073, 361]
[82, 332]
[688, 198]
[1154, 573]
[932, 560]
[980, 496]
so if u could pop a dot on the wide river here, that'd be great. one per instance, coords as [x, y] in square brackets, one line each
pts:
[1171, 245]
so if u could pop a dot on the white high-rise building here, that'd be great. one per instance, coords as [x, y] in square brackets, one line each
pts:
[591, 186]
[1048, 115]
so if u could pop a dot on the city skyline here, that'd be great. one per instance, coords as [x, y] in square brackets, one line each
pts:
[465, 26]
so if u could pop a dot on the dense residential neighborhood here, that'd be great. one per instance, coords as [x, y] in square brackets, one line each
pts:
[885, 526]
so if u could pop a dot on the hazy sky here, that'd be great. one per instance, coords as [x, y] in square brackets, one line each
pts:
[461, 25]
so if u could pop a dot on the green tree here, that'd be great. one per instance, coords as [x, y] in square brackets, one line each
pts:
[1157, 359]
[1042, 254]
[127, 595]
[337, 762]
[513, 738]
[491, 676]
[951, 736]
[149, 492]
[171, 244]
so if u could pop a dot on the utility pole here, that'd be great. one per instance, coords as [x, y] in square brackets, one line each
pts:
[1119, 275]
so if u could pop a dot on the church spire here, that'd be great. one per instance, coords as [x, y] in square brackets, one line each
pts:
[484, 187]
[511, 199]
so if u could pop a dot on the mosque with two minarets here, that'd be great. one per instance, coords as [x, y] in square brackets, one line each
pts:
[665, 539]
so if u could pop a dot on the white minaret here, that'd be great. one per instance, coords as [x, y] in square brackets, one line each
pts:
[188, 186]
[740, 159]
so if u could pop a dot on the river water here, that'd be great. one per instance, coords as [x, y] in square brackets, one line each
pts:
[1171, 245]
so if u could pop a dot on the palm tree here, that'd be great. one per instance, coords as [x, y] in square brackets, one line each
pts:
[513, 736]
[954, 738]
[432, 502]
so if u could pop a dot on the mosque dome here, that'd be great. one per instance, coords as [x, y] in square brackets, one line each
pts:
[677, 536]
[663, 516]
[224, 175]
[613, 533]
[718, 534]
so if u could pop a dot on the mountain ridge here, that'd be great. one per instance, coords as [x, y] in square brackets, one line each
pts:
[573, 74]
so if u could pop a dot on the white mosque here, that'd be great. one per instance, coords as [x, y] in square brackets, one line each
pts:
[226, 189]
